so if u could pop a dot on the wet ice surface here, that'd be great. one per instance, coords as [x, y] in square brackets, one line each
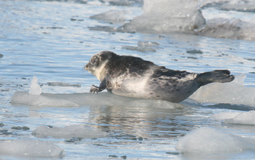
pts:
[54, 40]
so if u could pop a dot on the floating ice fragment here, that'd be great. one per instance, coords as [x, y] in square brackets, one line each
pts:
[103, 28]
[163, 16]
[139, 49]
[147, 44]
[231, 93]
[208, 140]
[62, 84]
[142, 46]
[79, 131]
[30, 148]
[246, 118]
[86, 99]
[194, 51]
[228, 28]
[111, 16]
[35, 88]
[224, 115]
[245, 7]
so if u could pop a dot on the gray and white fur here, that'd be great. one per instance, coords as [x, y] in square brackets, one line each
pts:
[134, 77]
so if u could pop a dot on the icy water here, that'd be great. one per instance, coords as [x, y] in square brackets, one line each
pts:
[54, 40]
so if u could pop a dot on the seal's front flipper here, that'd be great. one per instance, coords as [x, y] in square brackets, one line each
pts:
[95, 89]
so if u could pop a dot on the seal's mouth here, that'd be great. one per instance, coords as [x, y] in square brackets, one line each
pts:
[86, 67]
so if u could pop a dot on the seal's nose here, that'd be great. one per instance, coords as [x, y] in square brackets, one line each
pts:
[86, 66]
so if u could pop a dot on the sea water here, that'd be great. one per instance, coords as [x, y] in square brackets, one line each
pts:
[46, 110]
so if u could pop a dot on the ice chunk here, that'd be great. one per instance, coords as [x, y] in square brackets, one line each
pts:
[228, 28]
[139, 49]
[246, 118]
[35, 88]
[41, 100]
[143, 46]
[103, 28]
[244, 7]
[111, 16]
[169, 16]
[224, 115]
[30, 148]
[147, 44]
[62, 84]
[79, 131]
[86, 99]
[208, 140]
[231, 93]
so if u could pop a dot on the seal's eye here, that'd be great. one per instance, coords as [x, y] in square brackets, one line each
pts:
[94, 61]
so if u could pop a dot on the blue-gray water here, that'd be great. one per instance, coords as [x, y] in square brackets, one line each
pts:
[53, 41]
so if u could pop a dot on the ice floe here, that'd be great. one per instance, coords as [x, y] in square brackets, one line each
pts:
[86, 99]
[231, 93]
[35, 88]
[30, 148]
[244, 118]
[227, 28]
[239, 6]
[209, 140]
[112, 16]
[142, 46]
[62, 84]
[224, 115]
[166, 16]
[78, 131]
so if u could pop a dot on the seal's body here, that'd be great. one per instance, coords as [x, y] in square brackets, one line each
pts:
[134, 77]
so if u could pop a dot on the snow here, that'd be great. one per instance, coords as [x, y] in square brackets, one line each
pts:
[35, 88]
[79, 131]
[30, 148]
[231, 93]
[209, 140]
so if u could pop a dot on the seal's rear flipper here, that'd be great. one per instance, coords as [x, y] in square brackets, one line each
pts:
[215, 76]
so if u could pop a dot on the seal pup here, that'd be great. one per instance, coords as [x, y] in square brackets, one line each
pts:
[134, 77]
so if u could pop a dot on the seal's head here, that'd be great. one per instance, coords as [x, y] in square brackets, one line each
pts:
[97, 63]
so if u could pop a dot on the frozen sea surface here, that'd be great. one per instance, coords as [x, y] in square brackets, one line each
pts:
[54, 116]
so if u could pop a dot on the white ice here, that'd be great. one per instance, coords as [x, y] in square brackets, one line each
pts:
[231, 93]
[78, 131]
[224, 115]
[209, 140]
[166, 16]
[30, 148]
[86, 99]
[143, 46]
[111, 16]
[35, 88]
[244, 118]
[62, 84]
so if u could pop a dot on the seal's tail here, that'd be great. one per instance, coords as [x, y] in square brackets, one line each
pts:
[215, 76]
